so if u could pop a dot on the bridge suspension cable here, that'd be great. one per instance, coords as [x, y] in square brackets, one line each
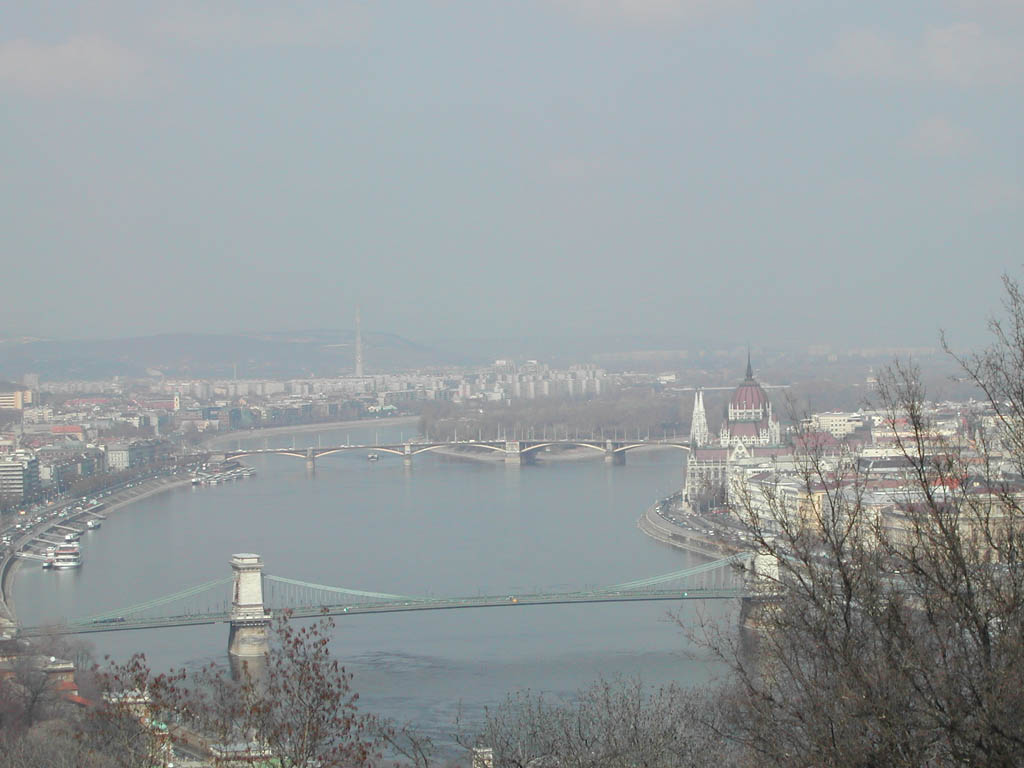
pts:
[156, 602]
[340, 590]
[676, 575]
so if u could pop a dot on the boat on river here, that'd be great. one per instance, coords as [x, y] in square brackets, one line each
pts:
[65, 556]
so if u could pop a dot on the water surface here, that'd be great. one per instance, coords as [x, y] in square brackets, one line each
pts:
[443, 528]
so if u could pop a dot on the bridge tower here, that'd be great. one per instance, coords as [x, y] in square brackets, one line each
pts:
[762, 579]
[310, 460]
[250, 622]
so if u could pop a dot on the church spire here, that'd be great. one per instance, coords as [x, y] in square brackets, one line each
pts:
[699, 435]
[750, 370]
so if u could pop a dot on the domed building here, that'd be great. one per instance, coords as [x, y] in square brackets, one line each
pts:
[749, 419]
[749, 429]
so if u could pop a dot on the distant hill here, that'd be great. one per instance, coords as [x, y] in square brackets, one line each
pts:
[273, 354]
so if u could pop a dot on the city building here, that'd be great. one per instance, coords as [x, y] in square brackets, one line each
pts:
[14, 396]
[749, 430]
[749, 419]
[19, 478]
[836, 423]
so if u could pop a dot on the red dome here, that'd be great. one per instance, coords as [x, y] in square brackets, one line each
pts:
[749, 397]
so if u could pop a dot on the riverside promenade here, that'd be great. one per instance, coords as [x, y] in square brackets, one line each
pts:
[686, 537]
[117, 501]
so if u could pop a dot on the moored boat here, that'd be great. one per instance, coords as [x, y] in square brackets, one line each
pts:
[67, 556]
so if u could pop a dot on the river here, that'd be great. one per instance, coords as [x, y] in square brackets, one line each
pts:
[443, 527]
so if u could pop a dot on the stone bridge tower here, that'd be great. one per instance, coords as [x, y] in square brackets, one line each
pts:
[250, 622]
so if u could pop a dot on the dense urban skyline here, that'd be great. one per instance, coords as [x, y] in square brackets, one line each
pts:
[490, 169]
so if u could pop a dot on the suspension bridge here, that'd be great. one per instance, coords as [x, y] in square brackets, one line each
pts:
[247, 598]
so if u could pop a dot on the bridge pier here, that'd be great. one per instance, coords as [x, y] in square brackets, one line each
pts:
[612, 456]
[407, 455]
[310, 461]
[513, 453]
[249, 636]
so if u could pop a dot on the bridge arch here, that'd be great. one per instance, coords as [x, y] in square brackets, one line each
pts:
[578, 444]
[499, 449]
[624, 448]
[241, 454]
[345, 448]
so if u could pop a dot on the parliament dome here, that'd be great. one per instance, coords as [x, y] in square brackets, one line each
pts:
[749, 396]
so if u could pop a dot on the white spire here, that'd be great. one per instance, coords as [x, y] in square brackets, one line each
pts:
[699, 423]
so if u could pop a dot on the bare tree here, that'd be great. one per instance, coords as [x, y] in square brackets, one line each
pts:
[28, 693]
[129, 726]
[611, 724]
[48, 745]
[296, 705]
[894, 636]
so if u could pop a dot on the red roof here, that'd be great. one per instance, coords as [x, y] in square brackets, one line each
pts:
[66, 429]
[813, 440]
[79, 700]
[743, 429]
[749, 396]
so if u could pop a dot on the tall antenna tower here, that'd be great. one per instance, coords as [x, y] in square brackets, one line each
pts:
[359, 345]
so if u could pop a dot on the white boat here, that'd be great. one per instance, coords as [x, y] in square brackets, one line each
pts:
[372, 457]
[92, 525]
[66, 556]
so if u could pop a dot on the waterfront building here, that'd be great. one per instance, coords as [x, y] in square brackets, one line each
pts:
[121, 456]
[749, 430]
[749, 419]
[19, 478]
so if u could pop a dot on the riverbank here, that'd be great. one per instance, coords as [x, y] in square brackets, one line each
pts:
[220, 440]
[660, 529]
[112, 504]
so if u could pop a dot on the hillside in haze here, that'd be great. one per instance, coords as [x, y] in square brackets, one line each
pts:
[299, 353]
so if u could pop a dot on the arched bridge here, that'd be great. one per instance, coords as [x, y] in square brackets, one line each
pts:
[246, 598]
[513, 451]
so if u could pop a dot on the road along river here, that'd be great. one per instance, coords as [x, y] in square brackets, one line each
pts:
[445, 527]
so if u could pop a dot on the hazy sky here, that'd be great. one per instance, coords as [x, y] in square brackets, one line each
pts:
[726, 169]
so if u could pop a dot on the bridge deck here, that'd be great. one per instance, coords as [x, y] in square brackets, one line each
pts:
[413, 447]
[118, 625]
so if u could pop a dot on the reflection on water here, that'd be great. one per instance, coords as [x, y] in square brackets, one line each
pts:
[440, 528]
